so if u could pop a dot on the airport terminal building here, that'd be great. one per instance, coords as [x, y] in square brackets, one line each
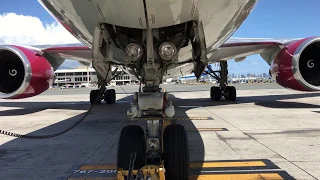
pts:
[86, 76]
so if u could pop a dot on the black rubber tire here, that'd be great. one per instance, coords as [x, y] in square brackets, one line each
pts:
[176, 152]
[215, 93]
[114, 95]
[108, 98]
[93, 96]
[231, 93]
[132, 139]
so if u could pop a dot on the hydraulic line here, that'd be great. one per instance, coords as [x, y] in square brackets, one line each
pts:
[8, 133]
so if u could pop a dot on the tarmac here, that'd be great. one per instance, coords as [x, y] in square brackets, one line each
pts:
[268, 133]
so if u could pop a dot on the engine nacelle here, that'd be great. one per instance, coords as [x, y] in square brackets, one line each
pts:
[23, 72]
[298, 65]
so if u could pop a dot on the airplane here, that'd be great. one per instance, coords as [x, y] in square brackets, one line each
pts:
[155, 40]
[188, 78]
[192, 77]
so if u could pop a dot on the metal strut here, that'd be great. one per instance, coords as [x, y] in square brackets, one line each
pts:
[222, 77]
[213, 73]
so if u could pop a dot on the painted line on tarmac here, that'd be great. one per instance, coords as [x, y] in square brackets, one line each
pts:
[99, 167]
[258, 169]
[281, 175]
[196, 129]
[194, 165]
[190, 106]
[191, 118]
[243, 175]
[217, 165]
[175, 118]
[206, 129]
[262, 176]
[70, 103]
[227, 164]
[250, 164]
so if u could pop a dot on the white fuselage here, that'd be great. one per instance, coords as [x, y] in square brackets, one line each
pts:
[220, 19]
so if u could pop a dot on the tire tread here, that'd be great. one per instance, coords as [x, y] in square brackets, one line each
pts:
[132, 139]
[176, 152]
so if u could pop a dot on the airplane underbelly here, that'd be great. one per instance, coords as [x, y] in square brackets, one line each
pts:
[125, 13]
[132, 14]
[220, 18]
[170, 12]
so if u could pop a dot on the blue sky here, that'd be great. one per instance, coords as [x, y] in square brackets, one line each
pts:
[269, 19]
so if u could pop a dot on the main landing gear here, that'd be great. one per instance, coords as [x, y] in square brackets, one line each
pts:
[228, 92]
[109, 96]
[158, 152]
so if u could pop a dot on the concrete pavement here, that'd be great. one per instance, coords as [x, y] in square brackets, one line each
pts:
[268, 133]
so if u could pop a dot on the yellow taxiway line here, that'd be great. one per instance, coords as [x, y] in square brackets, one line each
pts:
[262, 176]
[257, 176]
[227, 164]
[192, 165]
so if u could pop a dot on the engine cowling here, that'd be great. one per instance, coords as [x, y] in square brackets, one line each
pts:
[23, 72]
[297, 66]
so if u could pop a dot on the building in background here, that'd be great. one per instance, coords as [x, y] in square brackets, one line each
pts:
[85, 76]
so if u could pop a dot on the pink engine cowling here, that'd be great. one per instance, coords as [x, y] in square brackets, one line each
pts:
[23, 72]
[298, 65]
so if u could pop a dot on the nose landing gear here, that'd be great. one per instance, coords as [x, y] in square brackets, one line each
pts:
[173, 163]
[162, 149]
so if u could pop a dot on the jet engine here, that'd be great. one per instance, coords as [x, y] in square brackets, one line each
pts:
[297, 66]
[23, 72]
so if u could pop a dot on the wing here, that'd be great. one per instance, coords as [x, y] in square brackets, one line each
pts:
[56, 54]
[82, 54]
[240, 48]
[234, 48]
[78, 52]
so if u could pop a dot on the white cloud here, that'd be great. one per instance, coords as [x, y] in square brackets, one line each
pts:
[29, 30]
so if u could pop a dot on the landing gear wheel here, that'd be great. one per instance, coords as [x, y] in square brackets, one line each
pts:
[132, 139]
[108, 97]
[215, 93]
[231, 93]
[93, 96]
[176, 152]
[114, 96]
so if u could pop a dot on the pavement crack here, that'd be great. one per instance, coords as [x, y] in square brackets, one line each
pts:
[225, 141]
[263, 145]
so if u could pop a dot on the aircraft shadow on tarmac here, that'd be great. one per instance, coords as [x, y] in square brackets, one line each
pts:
[103, 123]
[271, 101]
